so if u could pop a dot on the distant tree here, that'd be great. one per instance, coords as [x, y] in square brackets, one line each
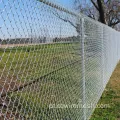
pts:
[55, 39]
[0, 40]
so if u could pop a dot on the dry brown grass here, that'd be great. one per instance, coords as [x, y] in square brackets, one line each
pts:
[110, 96]
[114, 82]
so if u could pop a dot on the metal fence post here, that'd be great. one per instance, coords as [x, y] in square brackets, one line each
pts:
[83, 70]
[103, 57]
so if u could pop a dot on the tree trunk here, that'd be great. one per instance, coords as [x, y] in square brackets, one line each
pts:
[101, 11]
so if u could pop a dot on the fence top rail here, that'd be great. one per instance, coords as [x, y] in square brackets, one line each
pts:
[58, 7]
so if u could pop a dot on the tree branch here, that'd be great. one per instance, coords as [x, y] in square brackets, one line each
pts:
[65, 20]
[115, 23]
[108, 1]
[95, 5]
[91, 15]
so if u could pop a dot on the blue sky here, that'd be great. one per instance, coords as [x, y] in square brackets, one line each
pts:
[66, 3]
[19, 17]
[69, 3]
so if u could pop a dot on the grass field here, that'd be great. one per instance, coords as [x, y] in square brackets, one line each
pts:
[24, 60]
[54, 74]
[111, 96]
[59, 64]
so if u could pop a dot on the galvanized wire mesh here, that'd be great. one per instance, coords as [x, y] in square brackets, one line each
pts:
[53, 62]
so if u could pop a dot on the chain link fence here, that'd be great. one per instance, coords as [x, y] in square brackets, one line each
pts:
[54, 64]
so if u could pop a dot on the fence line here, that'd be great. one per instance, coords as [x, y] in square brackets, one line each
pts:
[54, 63]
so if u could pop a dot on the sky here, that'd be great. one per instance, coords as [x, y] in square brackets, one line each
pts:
[69, 3]
[66, 3]
[20, 18]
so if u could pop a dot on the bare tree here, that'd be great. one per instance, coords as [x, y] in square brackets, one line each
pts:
[113, 13]
[107, 11]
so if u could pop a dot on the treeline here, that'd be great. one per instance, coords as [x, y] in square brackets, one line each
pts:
[15, 41]
[67, 39]
[23, 40]
[38, 40]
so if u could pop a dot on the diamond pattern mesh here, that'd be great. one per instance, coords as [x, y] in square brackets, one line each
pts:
[53, 62]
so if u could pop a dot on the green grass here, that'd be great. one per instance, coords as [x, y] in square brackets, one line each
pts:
[62, 85]
[56, 89]
[22, 63]
[25, 64]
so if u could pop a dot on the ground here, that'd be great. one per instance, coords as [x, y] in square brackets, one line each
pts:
[111, 96]
[34, 76]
